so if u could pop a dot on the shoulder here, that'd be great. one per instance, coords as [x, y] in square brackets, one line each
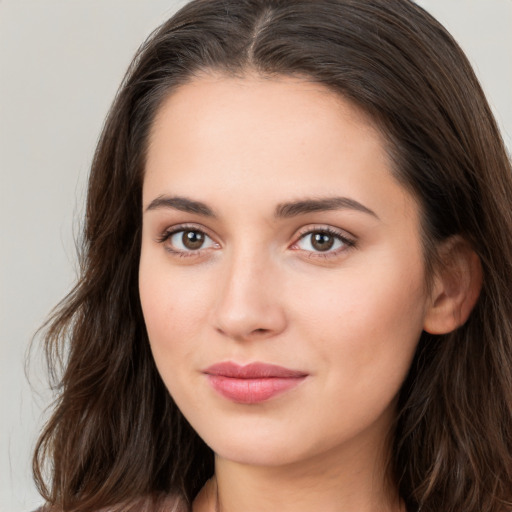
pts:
[170, 503]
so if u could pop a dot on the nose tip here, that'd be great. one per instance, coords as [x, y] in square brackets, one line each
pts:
[244, 314]
[249, 305]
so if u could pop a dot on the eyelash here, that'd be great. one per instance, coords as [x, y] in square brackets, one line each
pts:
[166, 235]
[348, 242]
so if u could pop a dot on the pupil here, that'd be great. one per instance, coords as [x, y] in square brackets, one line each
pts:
[322, 241]
[192, 239]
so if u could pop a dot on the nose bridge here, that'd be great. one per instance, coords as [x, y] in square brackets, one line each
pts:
[248, 300]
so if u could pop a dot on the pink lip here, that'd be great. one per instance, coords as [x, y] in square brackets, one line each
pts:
[253, 383]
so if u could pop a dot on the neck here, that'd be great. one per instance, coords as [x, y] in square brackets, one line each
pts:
[333, 482]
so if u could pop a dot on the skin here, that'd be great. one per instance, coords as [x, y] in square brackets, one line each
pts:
[259, 290]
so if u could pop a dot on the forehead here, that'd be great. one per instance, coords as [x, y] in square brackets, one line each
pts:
[214, 103]
[256, 136]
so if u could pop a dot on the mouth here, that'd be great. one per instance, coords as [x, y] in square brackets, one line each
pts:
[253, 383]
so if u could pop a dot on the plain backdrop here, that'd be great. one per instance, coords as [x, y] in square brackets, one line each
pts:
[60, 64]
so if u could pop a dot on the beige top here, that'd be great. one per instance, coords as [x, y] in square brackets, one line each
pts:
[168, 504]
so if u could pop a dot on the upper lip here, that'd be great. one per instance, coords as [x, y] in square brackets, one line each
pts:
[252, 371]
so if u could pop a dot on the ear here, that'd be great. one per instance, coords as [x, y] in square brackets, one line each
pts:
[456, 287]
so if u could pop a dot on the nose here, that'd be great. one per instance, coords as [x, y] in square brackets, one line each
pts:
[250, 302]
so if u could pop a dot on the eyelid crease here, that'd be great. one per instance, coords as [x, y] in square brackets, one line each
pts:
[348, 242]
[172, 230]
[347, 239]
[342, 234]
[169, 232]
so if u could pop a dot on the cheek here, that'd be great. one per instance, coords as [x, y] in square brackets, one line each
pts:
[174, 305]
[367, 321]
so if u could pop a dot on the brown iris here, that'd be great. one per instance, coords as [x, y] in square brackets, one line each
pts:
[322, 241]
[192, 240]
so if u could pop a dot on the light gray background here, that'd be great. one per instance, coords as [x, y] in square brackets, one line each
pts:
[60, 64]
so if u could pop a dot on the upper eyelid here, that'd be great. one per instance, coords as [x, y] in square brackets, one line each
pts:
[165, 236]
[343, 233]
[348, 240]
[170, 230]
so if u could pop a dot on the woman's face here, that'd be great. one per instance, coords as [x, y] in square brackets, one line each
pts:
[275, 236]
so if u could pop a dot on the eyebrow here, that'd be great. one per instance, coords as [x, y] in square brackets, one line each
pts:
[295, 208]
[283, 210]
[181, 203]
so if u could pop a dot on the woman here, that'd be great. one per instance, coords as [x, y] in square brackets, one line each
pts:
[296, 274]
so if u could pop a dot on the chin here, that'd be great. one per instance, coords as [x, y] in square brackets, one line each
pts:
[263, 453]
[255, 445]
[265, 446]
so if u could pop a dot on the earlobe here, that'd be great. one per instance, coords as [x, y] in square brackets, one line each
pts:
[456, 287]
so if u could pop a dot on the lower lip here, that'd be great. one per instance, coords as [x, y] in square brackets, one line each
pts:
[252, 391]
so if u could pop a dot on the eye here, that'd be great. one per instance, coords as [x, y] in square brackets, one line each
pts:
[186, 240]
[324, 240]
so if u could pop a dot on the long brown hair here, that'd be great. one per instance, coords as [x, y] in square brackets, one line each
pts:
[116, 435]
